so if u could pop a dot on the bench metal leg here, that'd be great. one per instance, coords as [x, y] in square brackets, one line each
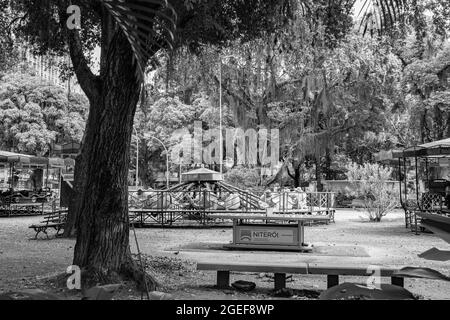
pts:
[398, 281]
[280, 281]
[223, 279]
[332, 280]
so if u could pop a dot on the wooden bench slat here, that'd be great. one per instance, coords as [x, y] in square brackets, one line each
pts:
[48, 225]
[332, 271]
[301, 268]
[345, 270]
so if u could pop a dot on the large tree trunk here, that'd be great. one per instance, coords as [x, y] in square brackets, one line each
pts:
[102, 249]
[328, 172]
[447, 134]
[70, 227]
[297, 176]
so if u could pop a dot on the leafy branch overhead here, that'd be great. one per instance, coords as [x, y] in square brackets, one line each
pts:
[380, 15]
[149, 25]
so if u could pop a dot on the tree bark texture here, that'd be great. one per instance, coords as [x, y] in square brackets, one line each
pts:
[102, 248]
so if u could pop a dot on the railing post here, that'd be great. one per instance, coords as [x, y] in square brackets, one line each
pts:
[328, 201]
[204, 208]
[161, 207]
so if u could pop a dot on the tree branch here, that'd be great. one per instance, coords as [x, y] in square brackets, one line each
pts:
[248, 104]
[287, 82]
[86, 78]
[289, 173]
[7, 28]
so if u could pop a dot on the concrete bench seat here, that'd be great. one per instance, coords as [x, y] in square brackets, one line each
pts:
[332, 271]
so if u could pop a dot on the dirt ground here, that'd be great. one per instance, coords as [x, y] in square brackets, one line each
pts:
[28, 263]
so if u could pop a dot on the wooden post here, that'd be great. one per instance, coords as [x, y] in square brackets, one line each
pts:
[301, 234]
[223, 279]
[332, 280]
[398, 281]
[280, 281]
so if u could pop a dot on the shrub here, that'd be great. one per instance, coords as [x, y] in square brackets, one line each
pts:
[370, 185]
[243, 178]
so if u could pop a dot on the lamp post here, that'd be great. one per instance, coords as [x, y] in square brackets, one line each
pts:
[220, 118]
[220, 113]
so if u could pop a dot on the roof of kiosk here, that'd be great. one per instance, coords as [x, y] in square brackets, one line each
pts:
[202, 174]
[12, 157]
[435, 149]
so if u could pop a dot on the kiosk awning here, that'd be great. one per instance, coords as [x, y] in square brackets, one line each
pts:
[202, 174]
[388, 156]
[435, 149]
[12, 157]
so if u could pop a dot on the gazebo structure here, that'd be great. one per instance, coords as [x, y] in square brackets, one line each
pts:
[429, 208]
[203, 194]
[25, 197]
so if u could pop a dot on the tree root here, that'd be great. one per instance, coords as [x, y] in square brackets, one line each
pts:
[130, 271]
[144, 281]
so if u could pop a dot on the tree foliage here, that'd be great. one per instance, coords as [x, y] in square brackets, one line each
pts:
[35, 114]
[244, 178]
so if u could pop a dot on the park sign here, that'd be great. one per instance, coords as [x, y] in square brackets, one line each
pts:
[267, 235]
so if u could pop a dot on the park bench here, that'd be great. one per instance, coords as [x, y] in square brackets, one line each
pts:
[331, 271]
[56, 221]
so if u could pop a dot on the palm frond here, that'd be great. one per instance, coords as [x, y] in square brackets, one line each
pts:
[147, 24]
[379, 15]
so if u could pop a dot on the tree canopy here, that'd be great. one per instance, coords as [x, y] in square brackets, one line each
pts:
[35, 114]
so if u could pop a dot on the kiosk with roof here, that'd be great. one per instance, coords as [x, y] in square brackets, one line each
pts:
[27, 183]
[429, 208]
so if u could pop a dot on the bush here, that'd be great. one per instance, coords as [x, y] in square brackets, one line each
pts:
[370, 185]
[243, 178]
